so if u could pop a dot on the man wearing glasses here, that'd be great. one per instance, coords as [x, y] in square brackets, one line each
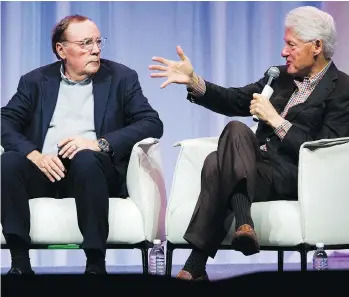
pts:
[69, 132]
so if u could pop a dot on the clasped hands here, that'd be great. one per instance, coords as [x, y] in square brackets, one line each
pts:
[52, 166]
[70, 146]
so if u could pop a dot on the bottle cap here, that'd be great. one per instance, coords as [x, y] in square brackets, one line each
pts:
[319, 245]
[157, 241]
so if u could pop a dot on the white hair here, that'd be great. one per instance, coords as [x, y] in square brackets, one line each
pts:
[310, 23]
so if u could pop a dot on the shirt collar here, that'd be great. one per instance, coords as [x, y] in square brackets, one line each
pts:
[314, 80]
[68, 81]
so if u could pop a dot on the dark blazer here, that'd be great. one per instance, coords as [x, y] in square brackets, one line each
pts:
[122, 113]
[325, 114]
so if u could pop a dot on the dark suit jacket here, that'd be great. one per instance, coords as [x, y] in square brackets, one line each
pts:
[325, 114]
[122, 113]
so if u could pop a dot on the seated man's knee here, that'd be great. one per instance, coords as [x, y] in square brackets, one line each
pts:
[237, 127]
[211, 163]
[84, 160]
[12, 161]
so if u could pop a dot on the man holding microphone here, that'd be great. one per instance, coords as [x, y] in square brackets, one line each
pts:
[310, 101]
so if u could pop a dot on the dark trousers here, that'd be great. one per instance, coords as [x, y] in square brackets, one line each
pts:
[237, 165]
[91, 180]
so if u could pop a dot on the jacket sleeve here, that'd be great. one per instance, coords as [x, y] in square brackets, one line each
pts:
[229, 101]
[142, 121]
[15, 116]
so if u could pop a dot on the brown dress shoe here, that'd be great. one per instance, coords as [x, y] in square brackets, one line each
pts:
[245, 240]
[185, 275]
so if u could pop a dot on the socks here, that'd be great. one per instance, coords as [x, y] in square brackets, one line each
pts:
[242, 210]
[19, 250]
[20, 259]
[95, 258]
[196, 263]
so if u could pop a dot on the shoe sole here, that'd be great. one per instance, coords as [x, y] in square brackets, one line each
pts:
[202, 278]
[245, 244]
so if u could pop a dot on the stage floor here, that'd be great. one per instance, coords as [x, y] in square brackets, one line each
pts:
[215, 271]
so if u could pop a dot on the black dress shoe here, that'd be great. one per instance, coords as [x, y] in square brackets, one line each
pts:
[19, 271]
[245, 240]
[93, 269]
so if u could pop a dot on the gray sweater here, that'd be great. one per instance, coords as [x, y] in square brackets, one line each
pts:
[73, 115]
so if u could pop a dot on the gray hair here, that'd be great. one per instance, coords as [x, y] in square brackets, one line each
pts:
[310, 23]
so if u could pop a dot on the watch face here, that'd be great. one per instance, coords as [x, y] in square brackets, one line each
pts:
[103, 145]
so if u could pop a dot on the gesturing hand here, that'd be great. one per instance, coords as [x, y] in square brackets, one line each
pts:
[51, 166]
[71, 145]
[180, 72]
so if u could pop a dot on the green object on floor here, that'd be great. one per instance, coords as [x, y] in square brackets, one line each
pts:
[64, 246]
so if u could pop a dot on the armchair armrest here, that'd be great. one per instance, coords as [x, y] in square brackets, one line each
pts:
[323, 190]
[146, 186]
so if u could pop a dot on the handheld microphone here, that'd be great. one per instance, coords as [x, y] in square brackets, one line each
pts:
[273, 73]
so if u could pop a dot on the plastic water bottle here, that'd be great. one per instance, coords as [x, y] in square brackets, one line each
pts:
[157, 258]
[320, 259]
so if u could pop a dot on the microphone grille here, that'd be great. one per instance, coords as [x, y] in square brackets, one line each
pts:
[273, 72]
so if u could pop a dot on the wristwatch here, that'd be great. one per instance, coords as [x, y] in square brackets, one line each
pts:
[104, 145]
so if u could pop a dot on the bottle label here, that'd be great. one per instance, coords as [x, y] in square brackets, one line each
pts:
[320, 264]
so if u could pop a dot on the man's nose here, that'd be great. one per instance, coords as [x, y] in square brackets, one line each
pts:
[95, 49]
[284, 52]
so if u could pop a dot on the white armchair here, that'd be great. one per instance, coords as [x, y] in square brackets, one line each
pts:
[319, 215]
[134, 222]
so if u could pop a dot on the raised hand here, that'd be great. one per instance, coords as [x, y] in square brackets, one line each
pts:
[180, 72]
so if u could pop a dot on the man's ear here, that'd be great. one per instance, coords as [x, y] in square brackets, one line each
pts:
[60, 50]
[318, 47]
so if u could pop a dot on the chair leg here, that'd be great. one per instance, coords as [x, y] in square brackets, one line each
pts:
[169, 254]
[280, 261]
[303, 253]
[144, 251]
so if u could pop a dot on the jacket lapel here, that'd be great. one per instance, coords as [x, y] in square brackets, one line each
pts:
[50, 88]
[284, 87]
[101, 87]
[319, 94]
[280, 100]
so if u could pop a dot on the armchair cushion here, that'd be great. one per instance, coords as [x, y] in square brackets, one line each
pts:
[277, 223]
[54, 221]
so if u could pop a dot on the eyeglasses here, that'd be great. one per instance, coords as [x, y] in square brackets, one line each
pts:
[88, 44]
